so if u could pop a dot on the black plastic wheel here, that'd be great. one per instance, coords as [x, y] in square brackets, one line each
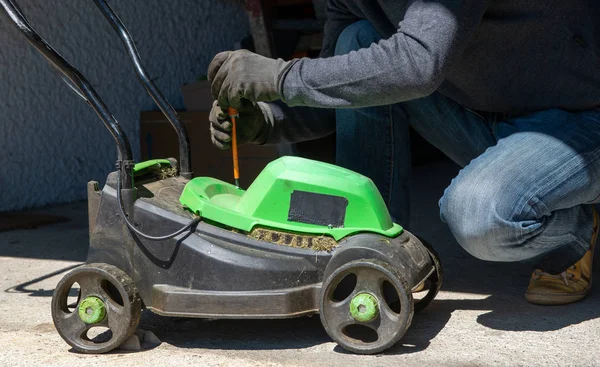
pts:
[108, 301]
[432, 284]
[347, 299]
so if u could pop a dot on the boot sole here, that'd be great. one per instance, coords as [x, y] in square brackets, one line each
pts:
[546, 299]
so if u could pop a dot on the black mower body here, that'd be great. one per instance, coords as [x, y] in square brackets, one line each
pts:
[216, 272]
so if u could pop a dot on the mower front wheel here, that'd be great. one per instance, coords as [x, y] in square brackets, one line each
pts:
[106, 313]
[366, 306]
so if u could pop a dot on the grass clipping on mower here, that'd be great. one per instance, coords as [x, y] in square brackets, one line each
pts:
[166, 172]
[317, 243]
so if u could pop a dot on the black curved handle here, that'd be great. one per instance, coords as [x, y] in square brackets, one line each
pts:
[166, 108]
[76, 81]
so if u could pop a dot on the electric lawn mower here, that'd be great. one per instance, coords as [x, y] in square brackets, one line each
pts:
[305, 238]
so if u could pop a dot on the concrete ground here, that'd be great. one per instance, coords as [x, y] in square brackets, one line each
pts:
[480, 318]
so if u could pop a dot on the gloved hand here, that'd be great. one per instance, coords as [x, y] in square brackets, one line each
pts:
[238, 75]
[251, 125]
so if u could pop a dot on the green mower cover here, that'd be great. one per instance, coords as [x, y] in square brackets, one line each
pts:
[295, 195]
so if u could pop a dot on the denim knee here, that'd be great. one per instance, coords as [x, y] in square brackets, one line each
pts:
[357, 35]
[485, 221]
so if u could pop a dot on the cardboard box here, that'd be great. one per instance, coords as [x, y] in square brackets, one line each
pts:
[197, 96]
[158, 140]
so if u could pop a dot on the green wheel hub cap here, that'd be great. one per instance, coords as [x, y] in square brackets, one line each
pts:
[92, 310]
[364, 307]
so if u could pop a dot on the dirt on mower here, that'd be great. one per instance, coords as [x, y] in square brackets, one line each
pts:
[317, 243]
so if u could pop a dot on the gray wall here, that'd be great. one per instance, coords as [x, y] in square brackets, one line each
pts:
[51, 143]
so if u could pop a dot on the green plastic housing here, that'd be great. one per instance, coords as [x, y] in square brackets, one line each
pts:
[266, 202]
[143, 167]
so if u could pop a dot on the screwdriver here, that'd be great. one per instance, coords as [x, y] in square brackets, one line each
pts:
[233, 115]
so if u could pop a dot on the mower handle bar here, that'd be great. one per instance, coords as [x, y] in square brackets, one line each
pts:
[166, 108]
[76, 81]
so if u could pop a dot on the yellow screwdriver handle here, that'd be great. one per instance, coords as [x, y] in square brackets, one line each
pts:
[233, 115]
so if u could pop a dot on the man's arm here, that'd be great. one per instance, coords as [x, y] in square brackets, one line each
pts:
[284, 124]
[297, 124]
[408, 65]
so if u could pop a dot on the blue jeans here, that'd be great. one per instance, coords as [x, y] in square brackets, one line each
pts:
[525, 182]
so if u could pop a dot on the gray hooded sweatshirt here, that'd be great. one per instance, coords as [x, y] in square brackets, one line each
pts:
[508, 56]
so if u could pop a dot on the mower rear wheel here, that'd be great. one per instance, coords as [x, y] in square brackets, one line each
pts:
[107, 312]
[366, 306]
[432, 284]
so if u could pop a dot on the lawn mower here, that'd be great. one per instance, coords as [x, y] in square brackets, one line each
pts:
[304, 238]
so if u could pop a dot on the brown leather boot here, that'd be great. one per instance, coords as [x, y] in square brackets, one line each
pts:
[570, 286]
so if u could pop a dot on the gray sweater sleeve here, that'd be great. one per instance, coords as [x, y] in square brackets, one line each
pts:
[296, 124]
[408, 65]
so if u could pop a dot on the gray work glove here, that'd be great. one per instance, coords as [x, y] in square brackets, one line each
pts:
[238, 75]
[252, 124]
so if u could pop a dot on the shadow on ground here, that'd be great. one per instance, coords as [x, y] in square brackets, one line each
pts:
[296, 333]
[29, 286]
[62, 241]
[507, 311]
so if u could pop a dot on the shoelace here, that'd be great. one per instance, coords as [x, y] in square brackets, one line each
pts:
[565, 276]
